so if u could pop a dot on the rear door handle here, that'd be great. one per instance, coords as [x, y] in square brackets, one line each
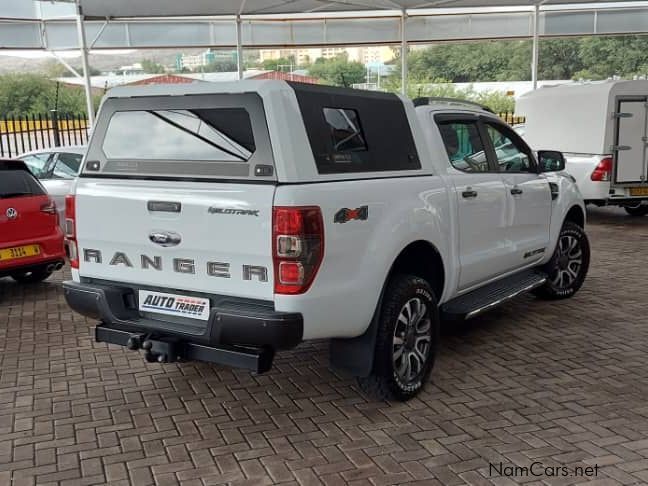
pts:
[516, 191]
[469, 194]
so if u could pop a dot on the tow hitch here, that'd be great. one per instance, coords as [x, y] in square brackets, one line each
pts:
[169, 349]
[162, 350]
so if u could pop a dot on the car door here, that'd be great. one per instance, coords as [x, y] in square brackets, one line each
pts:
[528, 191]
[482, 202]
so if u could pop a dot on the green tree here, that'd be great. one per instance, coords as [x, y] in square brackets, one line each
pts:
[25, 94]
[497, 101]
[604, 57]
[338, 71]
[151, 67]
[559, 58]
[475, 61]
[219, 67]
[279, 64]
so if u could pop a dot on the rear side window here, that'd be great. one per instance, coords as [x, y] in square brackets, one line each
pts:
[18, 182]
[352, 131]
[209, 134]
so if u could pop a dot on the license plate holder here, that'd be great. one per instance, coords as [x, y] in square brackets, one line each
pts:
[17, 252]
[639, 191]
[174, 304]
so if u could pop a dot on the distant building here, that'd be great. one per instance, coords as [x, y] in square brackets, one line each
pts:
[133, 69]
[210, 56]
[364, 55]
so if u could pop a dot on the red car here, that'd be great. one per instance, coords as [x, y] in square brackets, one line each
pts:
[31, 240]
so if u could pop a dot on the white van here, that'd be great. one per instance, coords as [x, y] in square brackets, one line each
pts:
[602, 128]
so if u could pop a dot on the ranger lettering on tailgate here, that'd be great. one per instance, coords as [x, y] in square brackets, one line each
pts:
[179, 265]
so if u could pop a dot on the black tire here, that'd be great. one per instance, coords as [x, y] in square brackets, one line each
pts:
[33, 276]
[639, 210]
[419, 342]
[569, 264]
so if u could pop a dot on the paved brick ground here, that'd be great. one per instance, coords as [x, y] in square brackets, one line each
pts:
[559, 384]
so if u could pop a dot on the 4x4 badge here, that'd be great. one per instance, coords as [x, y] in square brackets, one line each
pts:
[345, 215]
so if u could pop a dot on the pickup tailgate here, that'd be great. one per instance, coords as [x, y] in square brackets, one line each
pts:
[211, 237]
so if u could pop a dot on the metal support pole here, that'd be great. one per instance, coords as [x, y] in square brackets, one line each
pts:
[239, 48]
[536, 46]
[403, 52]
[84, 62]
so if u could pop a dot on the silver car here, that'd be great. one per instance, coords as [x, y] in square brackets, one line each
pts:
[56, 168]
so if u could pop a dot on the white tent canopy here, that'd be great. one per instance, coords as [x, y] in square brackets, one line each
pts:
[118, 24]
[173, 8]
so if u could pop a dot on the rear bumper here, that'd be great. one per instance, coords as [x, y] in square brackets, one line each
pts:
[52, 252]
[618, 201]
[233, 323]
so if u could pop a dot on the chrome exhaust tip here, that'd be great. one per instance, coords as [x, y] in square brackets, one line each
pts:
[58, 266]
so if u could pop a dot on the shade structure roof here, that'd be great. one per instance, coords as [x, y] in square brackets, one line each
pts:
[191, 8]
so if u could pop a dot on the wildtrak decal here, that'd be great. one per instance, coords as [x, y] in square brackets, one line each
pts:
[235, 212]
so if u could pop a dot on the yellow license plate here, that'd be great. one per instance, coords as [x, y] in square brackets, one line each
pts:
[639, 191]
[19, 252]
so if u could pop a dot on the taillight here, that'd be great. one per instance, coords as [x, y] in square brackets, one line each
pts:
[70, 231]
[49, 207]
[603, 171]
[297, 247]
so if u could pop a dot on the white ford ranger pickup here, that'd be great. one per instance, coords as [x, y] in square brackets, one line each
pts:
[225, 222]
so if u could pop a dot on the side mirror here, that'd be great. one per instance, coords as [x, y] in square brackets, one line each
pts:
[551, 161]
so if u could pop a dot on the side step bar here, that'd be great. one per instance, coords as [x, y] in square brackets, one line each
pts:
[165, 349]
[486, 298]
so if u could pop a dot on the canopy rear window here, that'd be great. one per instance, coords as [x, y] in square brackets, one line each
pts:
[223, 134]
[192, 136]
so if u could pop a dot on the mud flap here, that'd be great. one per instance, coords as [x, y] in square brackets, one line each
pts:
[355, 356]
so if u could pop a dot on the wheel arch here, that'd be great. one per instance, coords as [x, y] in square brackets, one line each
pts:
[421, 258]
[576, 215]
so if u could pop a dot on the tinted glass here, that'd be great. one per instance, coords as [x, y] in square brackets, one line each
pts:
[464, 146]
[510, 157]
[16, 183]
[352, 131]
[346, 132]
[210, 134]
[67, 166]
[37, 164]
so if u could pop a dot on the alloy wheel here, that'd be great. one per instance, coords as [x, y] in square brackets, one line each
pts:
[412, 340]
[569, 262]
